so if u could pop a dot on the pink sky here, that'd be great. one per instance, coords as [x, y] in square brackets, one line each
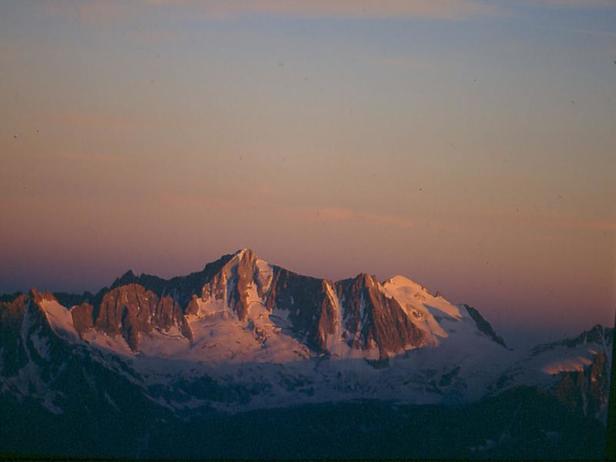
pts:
[468, 146]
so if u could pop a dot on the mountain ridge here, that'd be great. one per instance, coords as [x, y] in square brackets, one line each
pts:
[276, 336]
[361, 312]
[113, 372]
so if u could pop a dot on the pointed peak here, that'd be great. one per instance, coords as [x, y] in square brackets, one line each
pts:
[35, 293]
[245, 256]
[128, 275]
[367, 279]
[127, 278]
[245, 251]
[39, 296]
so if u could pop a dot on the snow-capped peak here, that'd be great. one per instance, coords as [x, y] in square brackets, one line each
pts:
[411, 293]
[400, 280]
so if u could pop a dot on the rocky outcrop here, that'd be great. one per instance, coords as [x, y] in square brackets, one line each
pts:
[83, 317]
[329, 315]
[372, 319]
[233, 283]
[312, 312]
[132, 311]
[586, 391]
[483, 325]
[356, 310]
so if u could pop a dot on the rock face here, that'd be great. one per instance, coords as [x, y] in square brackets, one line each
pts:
[135, 306]
[233, 283]
[180, 288]
[311, 309]
[83, 317]
[586, 391]
[373, 319]
[132, 311]
[483, 325]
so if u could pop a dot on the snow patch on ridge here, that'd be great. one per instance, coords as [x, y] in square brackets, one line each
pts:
[421, 306]
[60, 319]
[265, 274]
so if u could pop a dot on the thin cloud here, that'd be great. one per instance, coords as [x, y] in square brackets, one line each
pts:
[346, 215]
[331, 215]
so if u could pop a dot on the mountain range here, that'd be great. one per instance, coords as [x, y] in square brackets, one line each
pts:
[248, 359]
